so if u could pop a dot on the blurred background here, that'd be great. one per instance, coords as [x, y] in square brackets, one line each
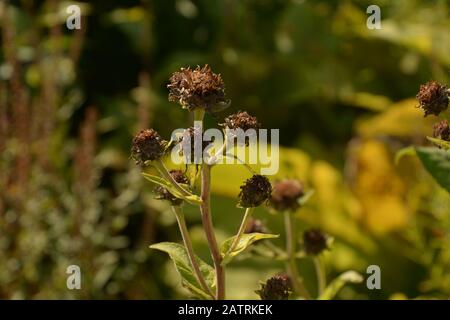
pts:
[342, 96]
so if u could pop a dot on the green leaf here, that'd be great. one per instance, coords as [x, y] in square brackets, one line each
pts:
[193, 199]
[337, 284]
[437, 163]
[244, 242]
[439, 142]
[180, 258]
[407, 151]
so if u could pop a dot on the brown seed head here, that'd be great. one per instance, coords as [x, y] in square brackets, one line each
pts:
[198, 88]
[255, 226]
[276, 288]
[254, 191]
[241, 120]
[286, 195]
[314, 241]
[442, 130]
[433, 98]
[164, 194]
[147, 145]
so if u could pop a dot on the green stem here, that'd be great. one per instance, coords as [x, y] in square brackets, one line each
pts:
[320, 274]
[205, 209]
[297, 281]
[247, 215]
[189, 249]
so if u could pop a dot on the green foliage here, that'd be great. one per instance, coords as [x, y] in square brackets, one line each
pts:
[246, 240]
[180, 259]
[437, 163]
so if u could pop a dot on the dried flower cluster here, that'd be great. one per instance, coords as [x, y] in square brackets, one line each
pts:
[433, 98]
[148, 145]
[286, 195]
[254, 191]
[314, 241]
[198, 88]
[276, 288]
[241, 120]
[442, 130]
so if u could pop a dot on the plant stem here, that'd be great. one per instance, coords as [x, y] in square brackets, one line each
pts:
[247, 215]
[205, 209]
[320, 274]
[297, 281]
[209, 231]
[189, 249]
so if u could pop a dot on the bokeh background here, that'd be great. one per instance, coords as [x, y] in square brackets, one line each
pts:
[342, 96]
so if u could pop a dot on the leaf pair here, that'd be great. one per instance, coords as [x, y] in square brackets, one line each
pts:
[192, 199]
[245, 241]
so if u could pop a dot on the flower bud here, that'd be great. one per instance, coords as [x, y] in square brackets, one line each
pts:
[442, 131]
[433, 98]
[198, 88]
[164, 194]
[148, 145]
[254, 191]
[314, 241]
[276, 288]
[286, 195]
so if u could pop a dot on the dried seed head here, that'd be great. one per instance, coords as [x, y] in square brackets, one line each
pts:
[164, 194]
[254, 191]
[286, 195]
[276, 288]
[147, 145]
[433, 98]
[255, 226]
[241, 120]
[442, 131]
[314, 241]
[198, 88]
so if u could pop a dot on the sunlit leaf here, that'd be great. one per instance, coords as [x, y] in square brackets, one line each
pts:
[179, 256]
[439, 142]
[437, 163]
[244, 242]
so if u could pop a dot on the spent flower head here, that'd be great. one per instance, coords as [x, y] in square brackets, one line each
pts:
[164, 194]
[241, 120]
[147, 145]
[314, 241]
[254, 191]
[441, 130]
[286, 195]
[433, 98]
[255, 226]
[198, 88]
[276, 288]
